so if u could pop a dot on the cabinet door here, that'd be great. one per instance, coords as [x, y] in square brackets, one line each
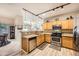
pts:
[48, 38]
[54, 22]
[38, 41]
[58, 23]
[45, 26]
[70, 24]
[32, 45]
[49, 25]
[42, 38]
[65, 24]
[67, 42]
[24, 45]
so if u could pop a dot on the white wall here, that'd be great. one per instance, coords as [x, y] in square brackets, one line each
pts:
[63, 16]
[6, 20]
[18, 21]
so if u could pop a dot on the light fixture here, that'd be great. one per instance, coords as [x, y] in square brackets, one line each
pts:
[53, 9]
[61, 6]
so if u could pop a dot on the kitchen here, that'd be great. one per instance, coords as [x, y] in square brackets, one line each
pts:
[52, 31]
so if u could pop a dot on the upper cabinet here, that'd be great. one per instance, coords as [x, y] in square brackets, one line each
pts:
[47, 25]
[67, 24]
[57, 22]
[44, 26]
[70, 24]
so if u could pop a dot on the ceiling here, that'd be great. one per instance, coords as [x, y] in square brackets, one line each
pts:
[14, 9]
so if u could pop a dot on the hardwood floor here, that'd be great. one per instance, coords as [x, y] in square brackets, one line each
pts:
[48, 51]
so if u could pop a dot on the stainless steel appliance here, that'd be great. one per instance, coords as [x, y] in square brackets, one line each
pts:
[76, 38]
[56, 35]
[32, 43]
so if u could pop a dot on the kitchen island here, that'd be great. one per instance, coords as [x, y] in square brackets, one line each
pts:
[29, 42]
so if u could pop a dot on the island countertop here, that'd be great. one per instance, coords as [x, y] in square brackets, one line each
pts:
[30, 36]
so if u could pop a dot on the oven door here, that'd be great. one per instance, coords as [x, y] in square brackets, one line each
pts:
[56, 39]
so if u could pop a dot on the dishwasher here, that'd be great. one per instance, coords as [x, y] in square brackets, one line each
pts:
[32, 43]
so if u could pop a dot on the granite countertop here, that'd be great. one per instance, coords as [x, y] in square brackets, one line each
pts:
[30, 36]
[67, 35]
[46, 33]
[43, 33]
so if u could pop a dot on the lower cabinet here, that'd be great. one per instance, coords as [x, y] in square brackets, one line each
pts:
[48, 38]
[67, 42]
[24, 45]
[40, 39]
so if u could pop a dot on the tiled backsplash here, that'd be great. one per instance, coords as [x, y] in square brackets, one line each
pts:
[48, 31]
[67, 31]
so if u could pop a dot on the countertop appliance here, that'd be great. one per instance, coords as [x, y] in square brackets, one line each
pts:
[56, 35]
[76, 38]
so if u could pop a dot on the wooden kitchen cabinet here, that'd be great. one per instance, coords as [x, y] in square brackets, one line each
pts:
[24, 44]
[67, 42]
[48, 38]
[67, 24]
[49, 25]
[54, 22]
[44, 26]
[40, 39]
[70, 24]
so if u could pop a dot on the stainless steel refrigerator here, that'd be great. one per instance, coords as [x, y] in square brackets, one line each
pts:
[76, 33]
